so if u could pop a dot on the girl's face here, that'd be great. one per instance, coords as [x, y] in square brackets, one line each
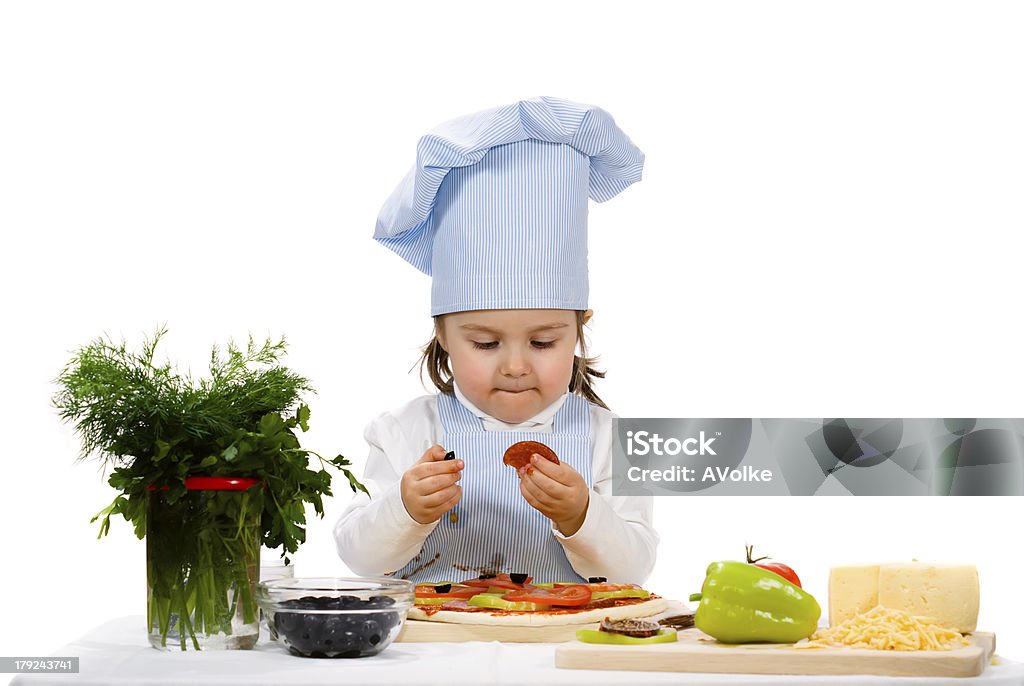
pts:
[510, 363]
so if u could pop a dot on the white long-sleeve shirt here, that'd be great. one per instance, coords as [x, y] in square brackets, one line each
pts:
[376, 535]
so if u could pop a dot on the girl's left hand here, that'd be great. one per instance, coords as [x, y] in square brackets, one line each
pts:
[557, 491]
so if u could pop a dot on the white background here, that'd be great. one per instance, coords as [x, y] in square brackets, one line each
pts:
[829, 225]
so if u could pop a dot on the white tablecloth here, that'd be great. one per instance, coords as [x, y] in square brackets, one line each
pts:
[118, 653]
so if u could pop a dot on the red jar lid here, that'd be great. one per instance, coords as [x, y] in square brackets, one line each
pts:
[214, 483]
[219, 483]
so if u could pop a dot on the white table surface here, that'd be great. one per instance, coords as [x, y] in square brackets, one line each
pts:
[118, 653]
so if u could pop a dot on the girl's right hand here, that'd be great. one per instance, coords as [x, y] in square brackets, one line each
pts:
[430, 487]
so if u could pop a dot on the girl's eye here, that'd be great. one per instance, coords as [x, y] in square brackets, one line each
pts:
[543, 344]
[485, 346]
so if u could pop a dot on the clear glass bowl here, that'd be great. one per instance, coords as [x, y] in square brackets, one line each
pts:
[335, 616]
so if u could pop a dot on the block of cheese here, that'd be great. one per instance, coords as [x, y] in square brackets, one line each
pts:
[851, 591]
[947, 593]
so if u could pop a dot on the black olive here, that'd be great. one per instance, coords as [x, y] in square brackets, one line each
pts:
[443, 588]
[488, 576]
[596, 580]
[336, 635]
[518, 578]
[450, 455]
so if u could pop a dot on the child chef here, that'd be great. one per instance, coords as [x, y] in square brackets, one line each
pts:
[495, 211]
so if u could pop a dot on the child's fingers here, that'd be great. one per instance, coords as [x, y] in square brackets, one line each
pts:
[545, 483]
[433, 484]
[452, 502]
[422, 470]
[534, 494]
[557, 472]
[434, 453]
[529, 497]
[441, 497]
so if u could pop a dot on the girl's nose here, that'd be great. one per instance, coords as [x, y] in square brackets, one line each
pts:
[514, 364]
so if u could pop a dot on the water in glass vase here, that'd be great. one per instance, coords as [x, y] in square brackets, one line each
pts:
[202, 565]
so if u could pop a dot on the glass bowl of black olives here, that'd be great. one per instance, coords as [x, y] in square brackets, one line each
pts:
[334, 616]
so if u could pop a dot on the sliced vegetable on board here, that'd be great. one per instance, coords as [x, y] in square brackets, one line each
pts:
[605, 637]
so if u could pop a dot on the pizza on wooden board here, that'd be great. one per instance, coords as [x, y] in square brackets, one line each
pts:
[512, 600]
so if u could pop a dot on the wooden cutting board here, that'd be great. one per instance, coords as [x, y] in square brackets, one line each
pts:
[696, 652]
[418, 631]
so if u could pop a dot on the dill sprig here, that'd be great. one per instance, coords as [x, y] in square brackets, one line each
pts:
[157, 426]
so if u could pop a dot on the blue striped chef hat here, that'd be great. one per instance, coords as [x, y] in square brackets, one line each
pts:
[495, 209]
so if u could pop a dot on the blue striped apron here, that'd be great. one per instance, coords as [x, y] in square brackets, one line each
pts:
[492, 528]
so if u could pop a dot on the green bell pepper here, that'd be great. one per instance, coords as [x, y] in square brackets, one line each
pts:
[741, 603]
[496, 602]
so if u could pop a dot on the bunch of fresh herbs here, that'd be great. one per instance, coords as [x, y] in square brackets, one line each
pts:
[156, 427]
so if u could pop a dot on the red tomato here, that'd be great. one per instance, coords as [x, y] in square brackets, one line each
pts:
[456, 591]
[785, 571]
[567, 596]
[500, 581]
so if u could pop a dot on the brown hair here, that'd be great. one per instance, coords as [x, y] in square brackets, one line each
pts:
[435, 360]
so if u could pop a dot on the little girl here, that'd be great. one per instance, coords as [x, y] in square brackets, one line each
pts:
[495, 210]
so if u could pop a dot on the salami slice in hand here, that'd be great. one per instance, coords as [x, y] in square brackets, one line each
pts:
[518, 454]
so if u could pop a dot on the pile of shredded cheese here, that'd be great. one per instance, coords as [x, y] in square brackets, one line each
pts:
[885, 629]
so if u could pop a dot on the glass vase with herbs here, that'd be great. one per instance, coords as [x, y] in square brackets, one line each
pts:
[207, 470]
